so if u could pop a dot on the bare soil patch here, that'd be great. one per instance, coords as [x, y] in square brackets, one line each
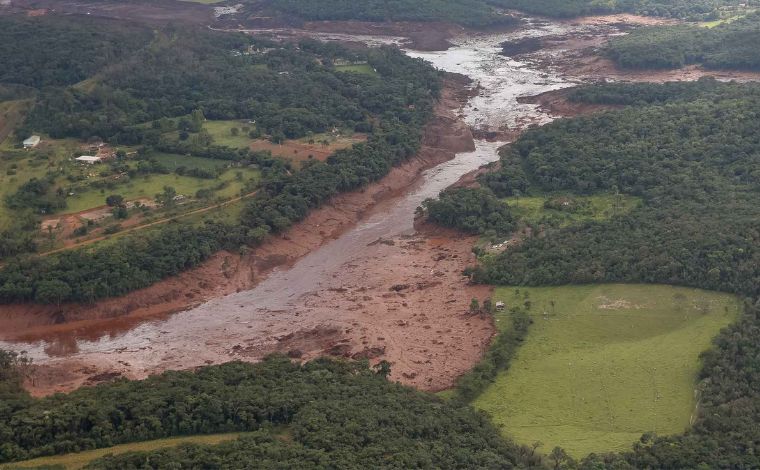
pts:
[301, 150]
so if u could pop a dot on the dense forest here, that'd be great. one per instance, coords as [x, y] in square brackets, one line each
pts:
[320, 414]
[730, 45]
[689, 9]
[288, 90]
[481, 12]
[52, 54]
[690, 151]
[465, 12]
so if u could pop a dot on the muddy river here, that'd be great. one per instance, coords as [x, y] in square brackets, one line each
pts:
[247, 324]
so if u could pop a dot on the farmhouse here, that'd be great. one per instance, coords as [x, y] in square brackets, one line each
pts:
[89, 159]
[32, 142]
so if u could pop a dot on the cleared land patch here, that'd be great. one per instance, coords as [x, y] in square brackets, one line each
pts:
[78, 460]
[604, 364]
[567, 210]
[319, 146]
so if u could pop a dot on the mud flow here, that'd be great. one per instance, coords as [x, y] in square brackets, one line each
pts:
[356, 278]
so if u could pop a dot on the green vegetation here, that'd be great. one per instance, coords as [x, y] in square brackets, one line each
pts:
[222, 133]
[689, 9]
[465, 12]
[604, 364]
[726, 46]
[77, 460]
[336, 414]
[470, 210]
[53, 49]
[564, 210]
[365, 69]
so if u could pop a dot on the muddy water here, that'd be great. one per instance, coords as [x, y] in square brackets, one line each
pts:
[256, 317]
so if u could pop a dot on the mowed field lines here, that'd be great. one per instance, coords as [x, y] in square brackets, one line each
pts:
[604, 364]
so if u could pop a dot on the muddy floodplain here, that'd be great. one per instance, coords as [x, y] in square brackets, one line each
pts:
[359, 278]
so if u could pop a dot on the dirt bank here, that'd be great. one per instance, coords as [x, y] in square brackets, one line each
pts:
[556, 103]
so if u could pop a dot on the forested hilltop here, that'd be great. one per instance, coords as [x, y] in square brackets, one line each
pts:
[155, 95]
[687, 9]
[730, 45]
[465, 12]
[481, 12]
[689, 151]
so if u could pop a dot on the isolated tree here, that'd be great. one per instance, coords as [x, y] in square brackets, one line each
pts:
[235, 131]
[474, 306]
[115, 200]
[166, 198]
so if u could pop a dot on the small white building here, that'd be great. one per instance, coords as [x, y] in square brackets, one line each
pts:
[89, 159]
[32, 142]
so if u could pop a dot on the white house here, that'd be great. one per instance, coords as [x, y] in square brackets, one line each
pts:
[89, 159]
[32, 142]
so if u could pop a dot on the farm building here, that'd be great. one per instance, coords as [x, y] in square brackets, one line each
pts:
[32, 142]
[89, 159]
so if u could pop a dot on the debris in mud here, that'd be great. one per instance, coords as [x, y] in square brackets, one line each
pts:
[103, 377]
[382, 240]
[521, 46]
[369, 353]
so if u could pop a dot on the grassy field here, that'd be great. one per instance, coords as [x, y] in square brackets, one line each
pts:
[598, 207]
[80, 459]
[150, 185]
[360, 68]
[604, 364]
[222, 134]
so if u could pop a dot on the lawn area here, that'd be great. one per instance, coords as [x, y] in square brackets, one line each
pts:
[150, 185]
[222, 133]
[359, 68]
[604, 364]
[17, 166]
[80, 459]
[579, 208]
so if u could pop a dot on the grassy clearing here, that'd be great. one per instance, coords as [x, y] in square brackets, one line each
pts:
[221, 131]
[228, 184]
[359, 68]
[604, 364]
[78, 460]
[533, 210]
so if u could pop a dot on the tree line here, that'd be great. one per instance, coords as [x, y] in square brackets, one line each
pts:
[726, 46]
[336, 414]
[466, 12]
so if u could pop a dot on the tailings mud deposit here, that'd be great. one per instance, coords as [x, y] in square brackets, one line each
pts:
[356, 279]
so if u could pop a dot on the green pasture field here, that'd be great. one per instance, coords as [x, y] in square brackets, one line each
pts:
[360, 68]
[597, 207]
[604, 364]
